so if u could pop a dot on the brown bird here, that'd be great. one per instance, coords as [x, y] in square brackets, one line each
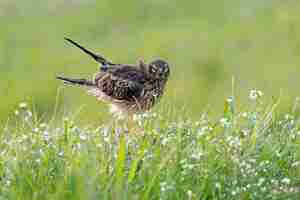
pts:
[129, 89]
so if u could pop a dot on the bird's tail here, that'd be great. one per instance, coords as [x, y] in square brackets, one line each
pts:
[96, 57]
[75, 81]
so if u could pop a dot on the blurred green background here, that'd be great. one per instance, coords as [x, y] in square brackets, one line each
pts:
[207, 42]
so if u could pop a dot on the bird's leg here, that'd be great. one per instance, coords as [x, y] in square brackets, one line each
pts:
[137, 103]
[140, 119]
[136, 117]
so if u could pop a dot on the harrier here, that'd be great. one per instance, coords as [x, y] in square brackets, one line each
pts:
[129, 89]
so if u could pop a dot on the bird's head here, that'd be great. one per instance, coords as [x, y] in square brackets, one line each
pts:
[159, 69]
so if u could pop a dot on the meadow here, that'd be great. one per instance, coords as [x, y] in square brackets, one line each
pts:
[246, 154]
[228, 126]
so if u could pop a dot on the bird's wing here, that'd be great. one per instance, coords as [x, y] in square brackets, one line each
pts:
[121, 83]
[130, 73]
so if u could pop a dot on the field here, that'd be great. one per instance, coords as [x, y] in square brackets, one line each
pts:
[249, 154]
[228, 126]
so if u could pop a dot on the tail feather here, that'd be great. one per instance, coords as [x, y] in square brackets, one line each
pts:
[74, 81]
[96, 57]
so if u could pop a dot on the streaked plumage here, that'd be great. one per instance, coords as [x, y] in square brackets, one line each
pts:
[128, 88]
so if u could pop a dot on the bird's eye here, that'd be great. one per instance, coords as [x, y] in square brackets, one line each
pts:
[153, 68]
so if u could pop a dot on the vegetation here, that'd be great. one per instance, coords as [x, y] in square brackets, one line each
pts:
[64, 145]
[248, 154]
[206, 42]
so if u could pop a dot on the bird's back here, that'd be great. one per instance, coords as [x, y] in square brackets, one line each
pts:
[123, 82]
[128, 88]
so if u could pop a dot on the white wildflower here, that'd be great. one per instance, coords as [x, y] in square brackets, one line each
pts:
[135, 117]
[255, 94]
[154, 115]
[229, 100]
[260, 181]
[233, 141]
[46, 135]
[287, 116]
[163, 186]
[245, 114]
[164, 141]
[189, 194]
[286, 181]
[278, 154]
[41, 152]
[202, 131]
[118, 131]
[29, 113]
[295, 164]
[145, 115]
[197, 155]
[106, 139]
[245, 132]
[7, 182]
[83, 137]
[224, 122]
[260, 93]
[23, 105]
[43, 125]
[36, 130]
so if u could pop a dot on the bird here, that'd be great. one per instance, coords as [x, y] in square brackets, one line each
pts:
[128, 88]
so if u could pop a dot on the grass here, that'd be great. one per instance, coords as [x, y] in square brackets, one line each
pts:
[252, 153]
